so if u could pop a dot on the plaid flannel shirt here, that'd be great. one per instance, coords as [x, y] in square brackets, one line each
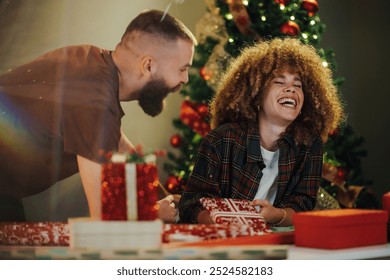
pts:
[229, 165]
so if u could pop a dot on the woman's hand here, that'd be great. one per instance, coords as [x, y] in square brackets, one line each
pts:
[272, 214]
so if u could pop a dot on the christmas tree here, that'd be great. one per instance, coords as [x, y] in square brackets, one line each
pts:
[226, 28]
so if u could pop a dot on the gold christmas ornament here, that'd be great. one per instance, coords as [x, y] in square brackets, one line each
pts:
[217, 64]
[325, 201]
[212, 7]
[213, 26]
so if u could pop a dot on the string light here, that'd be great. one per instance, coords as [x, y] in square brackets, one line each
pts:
[292, 18]
[315, 37]
[325, 64]
[304, 35]
[263, 18]
[245, 2]
[231, 40]
[282, 7]
[229, 16]
[312, 22]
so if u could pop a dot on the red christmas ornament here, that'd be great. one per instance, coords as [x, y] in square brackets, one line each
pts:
[176, 141]
[204, 73]
[341, 174]
[190, 116]
[334, 132]
[311, 6]
[242, 20]
[282, 2]
[203, 110]
[240, 16]
[173, 184]
[290, 28]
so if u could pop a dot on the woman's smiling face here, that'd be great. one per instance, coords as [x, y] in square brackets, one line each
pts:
[283, 99]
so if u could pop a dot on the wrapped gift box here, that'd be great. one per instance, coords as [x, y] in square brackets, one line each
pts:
[386, 206]
[386, 202]
[129, 190]
[83, 235]
[203, 232]
[89, 233]
[34, 234]
[236, 212]
[340, 228]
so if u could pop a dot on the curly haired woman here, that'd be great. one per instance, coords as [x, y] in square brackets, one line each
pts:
[273, 111]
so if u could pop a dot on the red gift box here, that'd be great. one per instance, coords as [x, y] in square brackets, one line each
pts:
[203, 232]
[386, 206]
[235, 212]
[129, 190]
[340, 228]
[386, 202]
[38, 234]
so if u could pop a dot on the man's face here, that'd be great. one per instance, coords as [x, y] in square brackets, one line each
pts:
[171, 74]
[152, 95]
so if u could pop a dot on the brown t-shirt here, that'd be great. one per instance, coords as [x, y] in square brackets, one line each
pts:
[62, 104]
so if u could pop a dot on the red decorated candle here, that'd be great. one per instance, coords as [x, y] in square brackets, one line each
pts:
[386, 202]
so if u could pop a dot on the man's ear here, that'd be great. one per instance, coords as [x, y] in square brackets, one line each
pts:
[148, 66]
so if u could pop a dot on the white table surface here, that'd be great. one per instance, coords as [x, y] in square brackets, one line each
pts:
[357, 253]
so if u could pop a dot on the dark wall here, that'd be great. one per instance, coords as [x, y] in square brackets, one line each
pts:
[358, 31]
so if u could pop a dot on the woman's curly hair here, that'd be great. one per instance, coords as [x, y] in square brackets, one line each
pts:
[242, 87]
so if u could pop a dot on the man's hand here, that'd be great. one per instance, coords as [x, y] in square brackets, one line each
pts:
[167, 211]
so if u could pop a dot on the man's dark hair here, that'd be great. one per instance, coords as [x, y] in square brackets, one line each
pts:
[162, 24]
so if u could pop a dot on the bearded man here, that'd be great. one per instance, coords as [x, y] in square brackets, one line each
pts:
[62, 111]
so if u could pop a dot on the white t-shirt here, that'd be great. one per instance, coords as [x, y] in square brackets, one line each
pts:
[268, 183]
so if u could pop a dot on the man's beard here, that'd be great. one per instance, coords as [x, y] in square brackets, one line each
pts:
[152, 95]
